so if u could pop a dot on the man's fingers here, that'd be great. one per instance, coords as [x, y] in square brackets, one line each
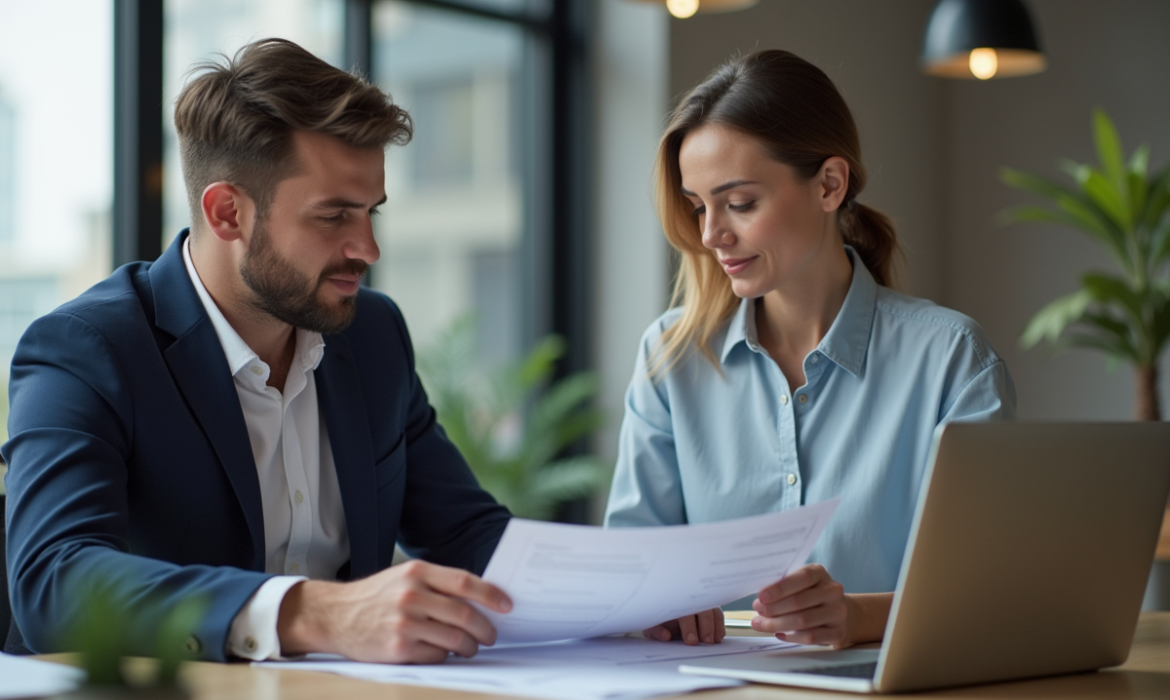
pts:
[452, 612]
[420, 634]
[720, 626]
[459, 583]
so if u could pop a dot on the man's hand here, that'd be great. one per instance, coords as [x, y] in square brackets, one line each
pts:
[411, 613]
[706, 627]
[809, 607]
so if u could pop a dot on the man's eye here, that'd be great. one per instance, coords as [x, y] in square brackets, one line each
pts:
[334, 219]
[375, 211]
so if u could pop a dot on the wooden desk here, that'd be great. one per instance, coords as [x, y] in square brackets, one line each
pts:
[1145, 675]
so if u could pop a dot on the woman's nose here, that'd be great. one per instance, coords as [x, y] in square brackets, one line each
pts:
[715, 233]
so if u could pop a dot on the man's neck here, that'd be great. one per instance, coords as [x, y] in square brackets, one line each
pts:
[274, 341]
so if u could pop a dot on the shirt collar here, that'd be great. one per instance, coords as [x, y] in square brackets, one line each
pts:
[847, 341]
[310, 345]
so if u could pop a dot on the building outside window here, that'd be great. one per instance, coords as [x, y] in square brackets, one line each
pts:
[56, 160]
[452, 229]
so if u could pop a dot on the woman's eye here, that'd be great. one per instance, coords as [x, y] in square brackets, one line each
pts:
[699, 211]
[746, 206]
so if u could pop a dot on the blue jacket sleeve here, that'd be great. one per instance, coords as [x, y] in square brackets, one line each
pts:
[70, 427]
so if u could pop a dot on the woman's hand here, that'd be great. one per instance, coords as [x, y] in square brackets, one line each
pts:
[809, 607]
[706, 627]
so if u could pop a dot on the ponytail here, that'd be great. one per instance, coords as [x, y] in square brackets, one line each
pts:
[871, 233]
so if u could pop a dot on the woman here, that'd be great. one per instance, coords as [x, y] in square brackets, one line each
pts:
[790, 372]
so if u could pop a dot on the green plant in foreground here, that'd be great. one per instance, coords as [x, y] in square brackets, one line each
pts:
[109, 627]
[511, 423]
[1123, 207]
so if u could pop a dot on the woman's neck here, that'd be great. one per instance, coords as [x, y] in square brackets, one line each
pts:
[793, 319]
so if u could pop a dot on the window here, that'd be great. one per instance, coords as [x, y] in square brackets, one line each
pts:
[56, 167]
[452, 229]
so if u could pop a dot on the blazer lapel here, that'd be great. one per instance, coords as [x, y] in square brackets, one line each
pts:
[339, 393]
[200, 370]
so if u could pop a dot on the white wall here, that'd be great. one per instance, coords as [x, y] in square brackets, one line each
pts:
[934, 148]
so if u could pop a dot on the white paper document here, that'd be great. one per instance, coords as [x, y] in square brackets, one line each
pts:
[575, 581]
[21, 677]
[606, 668]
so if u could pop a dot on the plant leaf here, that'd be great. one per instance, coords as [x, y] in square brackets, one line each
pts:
[1110, 199]
[1049, 322]
[566, 479]
[1109, 150]
[1108, 290]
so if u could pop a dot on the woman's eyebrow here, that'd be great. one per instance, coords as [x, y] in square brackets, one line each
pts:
[721, 188]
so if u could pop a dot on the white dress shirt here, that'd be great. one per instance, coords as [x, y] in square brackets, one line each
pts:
[304, 520]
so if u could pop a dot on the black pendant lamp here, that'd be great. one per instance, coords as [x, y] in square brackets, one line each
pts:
[981, 39]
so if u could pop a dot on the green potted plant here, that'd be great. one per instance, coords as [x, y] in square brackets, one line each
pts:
[1124, 207]
[512, 423]
[106, 633]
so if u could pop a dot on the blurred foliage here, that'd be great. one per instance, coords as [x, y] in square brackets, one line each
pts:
[106, 631]
[511, 422]
[1125, 209]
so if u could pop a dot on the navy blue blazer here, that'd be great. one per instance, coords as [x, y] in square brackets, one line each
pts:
[129, 456]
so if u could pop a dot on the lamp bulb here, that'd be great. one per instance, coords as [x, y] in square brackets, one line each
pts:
[682, 8]
[983, 63]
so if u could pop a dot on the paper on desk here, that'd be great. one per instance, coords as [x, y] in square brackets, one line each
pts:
[573, 581]
[21, 677]
[606, 668]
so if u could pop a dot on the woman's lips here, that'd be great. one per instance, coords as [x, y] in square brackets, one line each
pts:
[734, 266]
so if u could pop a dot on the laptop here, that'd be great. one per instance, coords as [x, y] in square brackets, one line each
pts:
[1028, 556]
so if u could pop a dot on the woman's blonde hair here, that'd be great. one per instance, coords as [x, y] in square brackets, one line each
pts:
[795, 111]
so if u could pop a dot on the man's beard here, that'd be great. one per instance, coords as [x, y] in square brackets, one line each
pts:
[287, 294]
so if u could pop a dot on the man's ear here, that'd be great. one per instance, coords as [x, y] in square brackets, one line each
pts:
[834, 181]
[226, 210]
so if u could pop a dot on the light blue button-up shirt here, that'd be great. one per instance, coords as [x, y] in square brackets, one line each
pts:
[699, 447]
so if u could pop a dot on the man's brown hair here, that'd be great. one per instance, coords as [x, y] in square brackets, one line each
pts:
[235, 119]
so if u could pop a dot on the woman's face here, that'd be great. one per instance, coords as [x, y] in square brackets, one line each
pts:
[767, 227]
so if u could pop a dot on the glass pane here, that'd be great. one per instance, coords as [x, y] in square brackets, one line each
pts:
[56, 160]
[451, 230]
[197, 30]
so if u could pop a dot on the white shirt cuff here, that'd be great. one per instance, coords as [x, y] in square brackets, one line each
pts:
[253, 635]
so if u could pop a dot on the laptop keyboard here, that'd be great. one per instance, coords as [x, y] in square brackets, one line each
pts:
[863, 670]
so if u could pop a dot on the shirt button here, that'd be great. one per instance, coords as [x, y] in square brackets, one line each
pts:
[784, 399]
[250, 644]
[300, 498]
[257, 371]
[294, 567]
[791, 479]
[803, 398]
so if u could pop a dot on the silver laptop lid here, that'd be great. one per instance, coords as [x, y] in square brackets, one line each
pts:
[1050, 579]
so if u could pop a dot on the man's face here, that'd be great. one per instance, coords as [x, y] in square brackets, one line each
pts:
[306, 257]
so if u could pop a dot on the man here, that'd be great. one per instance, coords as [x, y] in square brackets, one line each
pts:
[240, 420]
